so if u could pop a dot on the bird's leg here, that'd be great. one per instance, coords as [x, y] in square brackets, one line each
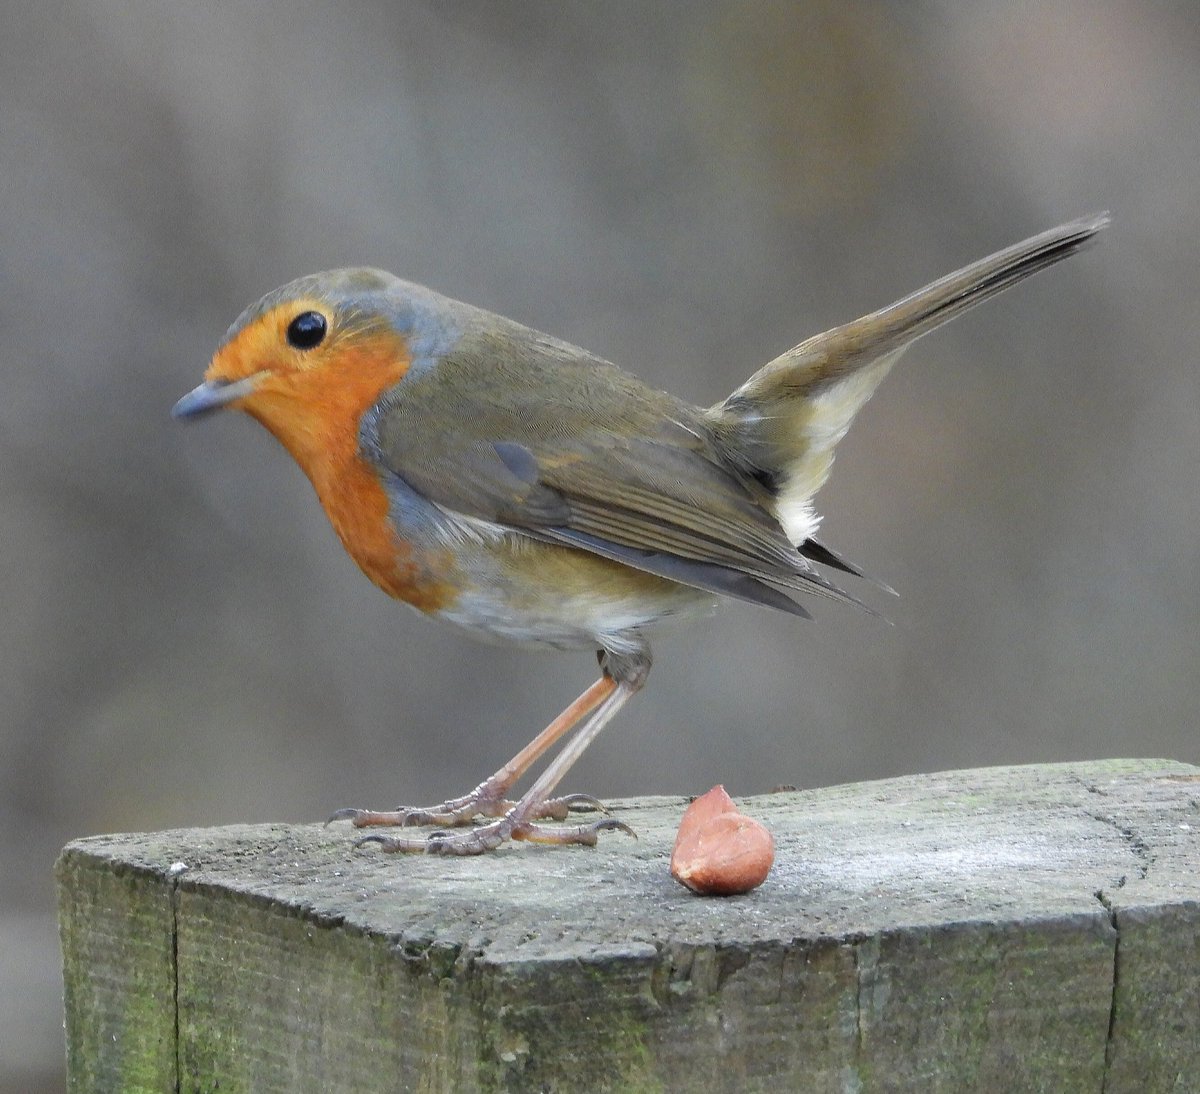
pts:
[490, 797]
[517, 821]
[622, 679]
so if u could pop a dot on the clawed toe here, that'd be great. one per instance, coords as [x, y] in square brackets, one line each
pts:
[561, 808]
[349, 814]
[460, 812]
[394, 844]
[487, 837]
[451, 814]
[370, 818]
[583, 834]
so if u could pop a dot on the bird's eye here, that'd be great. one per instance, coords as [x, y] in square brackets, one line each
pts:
[306, 330]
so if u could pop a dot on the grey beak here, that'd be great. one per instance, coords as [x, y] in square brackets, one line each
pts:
[213, 395]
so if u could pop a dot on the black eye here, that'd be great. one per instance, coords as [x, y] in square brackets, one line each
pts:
[306, 330]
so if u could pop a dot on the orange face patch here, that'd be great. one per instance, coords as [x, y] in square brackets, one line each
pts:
[312, 401]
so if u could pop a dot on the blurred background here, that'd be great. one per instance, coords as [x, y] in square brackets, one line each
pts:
[687, 188]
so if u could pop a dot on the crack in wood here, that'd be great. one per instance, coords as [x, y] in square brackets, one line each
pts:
[175, 978]
[1110, 1039]
[1137, 845]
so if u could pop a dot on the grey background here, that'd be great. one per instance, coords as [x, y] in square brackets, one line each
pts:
[687, 188]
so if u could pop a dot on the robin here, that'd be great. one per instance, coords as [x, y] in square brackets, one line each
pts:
[513, 484]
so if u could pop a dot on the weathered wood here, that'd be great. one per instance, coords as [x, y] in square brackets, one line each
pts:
[1031, 928]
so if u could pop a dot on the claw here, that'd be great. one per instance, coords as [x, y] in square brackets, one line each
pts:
[349, 814]
[579, 803]
[611, 824]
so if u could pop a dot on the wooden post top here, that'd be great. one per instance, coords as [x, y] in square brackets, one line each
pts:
[997, 929]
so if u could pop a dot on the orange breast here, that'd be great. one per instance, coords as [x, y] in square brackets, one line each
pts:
[357, 506]
[316, 418]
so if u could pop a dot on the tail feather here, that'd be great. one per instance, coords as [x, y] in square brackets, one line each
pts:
[782, 424]
[816, 551]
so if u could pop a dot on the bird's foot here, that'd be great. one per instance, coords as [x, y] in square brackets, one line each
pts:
[487, 837]
[483, 801]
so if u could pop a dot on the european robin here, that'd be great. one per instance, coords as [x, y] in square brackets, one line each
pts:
[500, 479]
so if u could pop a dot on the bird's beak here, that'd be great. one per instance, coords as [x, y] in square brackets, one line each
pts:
[213, 395]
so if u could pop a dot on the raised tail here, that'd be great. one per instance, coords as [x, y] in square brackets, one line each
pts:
[780, 427]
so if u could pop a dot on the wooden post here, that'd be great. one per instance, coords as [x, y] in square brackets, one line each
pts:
[1007, 929]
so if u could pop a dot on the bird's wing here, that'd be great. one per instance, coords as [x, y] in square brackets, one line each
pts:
[519, 429]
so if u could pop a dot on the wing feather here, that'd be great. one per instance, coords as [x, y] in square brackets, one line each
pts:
[543, 438]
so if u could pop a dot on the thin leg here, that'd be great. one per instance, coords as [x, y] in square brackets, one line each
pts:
[517, 823]
[490, 797]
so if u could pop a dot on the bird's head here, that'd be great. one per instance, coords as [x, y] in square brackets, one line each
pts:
[311, 357]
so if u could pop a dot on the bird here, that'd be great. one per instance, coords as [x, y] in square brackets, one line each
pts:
[523, 489]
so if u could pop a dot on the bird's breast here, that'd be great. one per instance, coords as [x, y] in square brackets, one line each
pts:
[359, 508]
